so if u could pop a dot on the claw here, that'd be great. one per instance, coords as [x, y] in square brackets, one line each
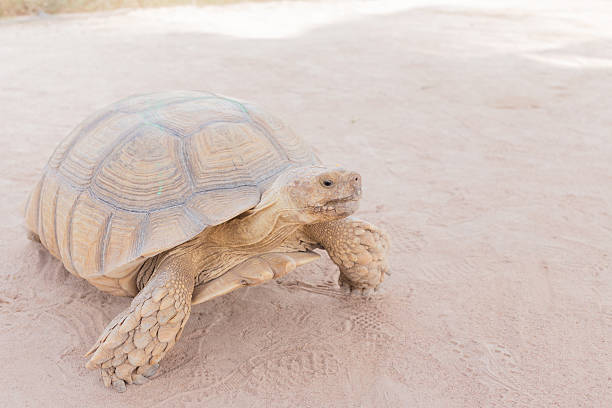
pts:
[106, 378]
[139, 379]
[148, 371]
[100, 356]
[119, 385]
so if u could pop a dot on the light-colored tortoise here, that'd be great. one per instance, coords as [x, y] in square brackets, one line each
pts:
[176, 198]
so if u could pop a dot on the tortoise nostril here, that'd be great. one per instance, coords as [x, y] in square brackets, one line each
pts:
[355, 179]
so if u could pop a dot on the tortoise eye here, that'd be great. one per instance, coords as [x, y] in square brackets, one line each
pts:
[327, 183]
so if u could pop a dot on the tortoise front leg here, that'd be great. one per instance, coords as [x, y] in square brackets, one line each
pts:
[358, 248]
[131, 346]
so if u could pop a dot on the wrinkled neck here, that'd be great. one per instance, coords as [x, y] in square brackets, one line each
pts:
[257, 224]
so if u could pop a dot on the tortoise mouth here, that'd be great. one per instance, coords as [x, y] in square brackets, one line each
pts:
[341, 206]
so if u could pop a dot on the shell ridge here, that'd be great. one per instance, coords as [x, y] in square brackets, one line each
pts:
[142, 236]
[196, 192]
[166, 129]
[183, 153]
[70, 217]
[275, 172]
[66, 180]
[214, 122]
[196, 218]
[116, 207]
[105, 238]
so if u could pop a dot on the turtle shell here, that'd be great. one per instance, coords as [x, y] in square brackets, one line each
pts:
[151, 172]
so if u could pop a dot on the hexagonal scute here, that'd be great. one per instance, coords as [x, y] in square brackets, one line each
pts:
[146, 173]
[227, 155]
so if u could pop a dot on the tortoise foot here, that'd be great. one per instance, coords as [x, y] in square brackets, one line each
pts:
[141, 376]
[363, 263]
[358, 248]
[133, 344]
[349, 288]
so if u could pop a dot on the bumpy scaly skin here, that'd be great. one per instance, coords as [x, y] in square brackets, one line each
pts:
[358, 248]
[131, 346]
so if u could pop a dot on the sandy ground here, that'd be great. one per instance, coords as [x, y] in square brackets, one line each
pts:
[482, 133]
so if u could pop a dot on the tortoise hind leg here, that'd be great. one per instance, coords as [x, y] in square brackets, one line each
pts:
[132, 345]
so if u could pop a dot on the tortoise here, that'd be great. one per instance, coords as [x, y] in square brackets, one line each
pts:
[176, 198]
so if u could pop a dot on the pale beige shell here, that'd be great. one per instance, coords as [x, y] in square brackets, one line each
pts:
[151, 172]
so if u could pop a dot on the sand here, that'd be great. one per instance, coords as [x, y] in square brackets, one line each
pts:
[482, 132]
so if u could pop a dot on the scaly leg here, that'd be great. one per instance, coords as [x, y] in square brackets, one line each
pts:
[131, 346]
[358, 248]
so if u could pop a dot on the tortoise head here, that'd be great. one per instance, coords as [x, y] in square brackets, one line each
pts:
[316, 194]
